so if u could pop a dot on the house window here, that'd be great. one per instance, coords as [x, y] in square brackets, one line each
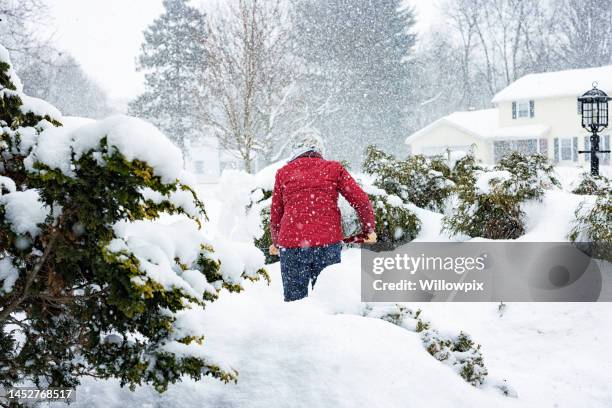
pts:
[523, 109]
[566, 148]
[502, 148]
[199, 167]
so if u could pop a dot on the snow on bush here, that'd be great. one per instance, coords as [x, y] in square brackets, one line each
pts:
[457, 351]
[417, 179]
[395, 221]
[489, 200]
[530, 176]
[593, 225]
[593, 185]
[90, 283]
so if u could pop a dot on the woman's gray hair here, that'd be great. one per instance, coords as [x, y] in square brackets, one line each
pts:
[307, 140]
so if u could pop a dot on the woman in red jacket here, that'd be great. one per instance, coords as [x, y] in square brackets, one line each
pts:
[305, 220]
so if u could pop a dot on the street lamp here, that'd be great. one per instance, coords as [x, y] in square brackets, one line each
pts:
[594, 104]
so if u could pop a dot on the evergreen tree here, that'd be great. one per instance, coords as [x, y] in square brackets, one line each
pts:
[173, 57]
[356, 53]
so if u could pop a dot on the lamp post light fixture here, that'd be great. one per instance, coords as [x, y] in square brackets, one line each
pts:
[594, 108]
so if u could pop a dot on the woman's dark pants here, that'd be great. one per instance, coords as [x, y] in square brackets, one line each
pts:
[301, 266]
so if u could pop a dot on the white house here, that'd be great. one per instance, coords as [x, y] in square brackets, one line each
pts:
[538, 113]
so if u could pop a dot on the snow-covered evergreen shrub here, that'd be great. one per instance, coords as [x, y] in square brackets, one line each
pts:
[493, 213]
[489, 201]
[593, 225]
[531, 175]
[90, 284]
[395, 222]
[261, 203]
[416, 180]
[464, 171]
[458, 351]
[593, 185]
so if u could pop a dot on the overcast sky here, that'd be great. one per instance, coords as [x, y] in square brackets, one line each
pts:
[105, 36]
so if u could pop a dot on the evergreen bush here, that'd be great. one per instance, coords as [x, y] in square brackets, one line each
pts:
[593, 185]
[90, 284]
[416, 180]
[593, 225]
[489, 201]
[395, 221]
[531, 175]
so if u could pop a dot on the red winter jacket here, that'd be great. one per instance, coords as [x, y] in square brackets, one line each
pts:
[305, 203]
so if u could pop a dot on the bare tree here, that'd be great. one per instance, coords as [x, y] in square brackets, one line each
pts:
[251, 97]
[584, 32]
[497, 42]
[18, 22]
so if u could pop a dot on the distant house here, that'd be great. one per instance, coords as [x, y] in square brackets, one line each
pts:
[538, 113]
[206, 160]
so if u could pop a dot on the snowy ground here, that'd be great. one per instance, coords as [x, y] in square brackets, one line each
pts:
[319, 353]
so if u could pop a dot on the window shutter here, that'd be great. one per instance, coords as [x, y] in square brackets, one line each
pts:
[579, 107]
[587, 146]
[556, 150]
[531, 109]
[513, 110]
[606, 146]
[575, 149]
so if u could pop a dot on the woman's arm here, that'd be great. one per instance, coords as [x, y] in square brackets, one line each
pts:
[358, 199]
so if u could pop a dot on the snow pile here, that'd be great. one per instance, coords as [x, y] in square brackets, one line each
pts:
[483, 181]
[132, 137]
[243, 196]
[24, 211]
[234, 191]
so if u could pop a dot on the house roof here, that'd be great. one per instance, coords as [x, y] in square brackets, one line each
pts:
[482, 124]
[557, 84]
[478, 123]
[520, 132]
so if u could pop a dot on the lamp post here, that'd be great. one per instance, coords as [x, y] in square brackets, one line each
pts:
[594, 104]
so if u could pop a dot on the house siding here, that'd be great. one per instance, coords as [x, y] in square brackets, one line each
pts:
[560, 114]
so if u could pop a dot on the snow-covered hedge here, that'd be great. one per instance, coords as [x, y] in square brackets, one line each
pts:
[489, 200]
[417, 179]
[90, 283]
